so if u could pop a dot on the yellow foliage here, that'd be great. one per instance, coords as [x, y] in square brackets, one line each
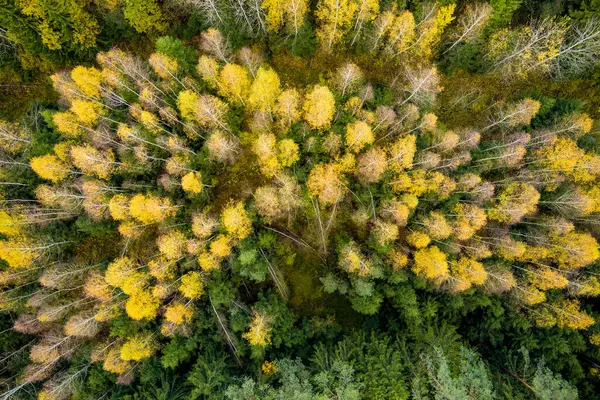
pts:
[264, 91]
[334, 20]
[114, 363]
[9, 224]
[208, 68]
[398, 259]
[119, 207]
[353, 261]
[163, 65]
[268, 368]
[129, 230]
[87, 112]
[564, 156]
[288, 107]
[162, 269]
[203, 225]
[138, 347]
[208, 262]
[418, 240]
[437, 226]
[546, 278]
[385, 232]
[325, 181]
[50, 167]
[96, 287]
[179, 314]
[319, 106]
[567, 313]
[265, 150]
[88, 80]
[192, 285]
[235, 220]
[469, 219]
[371, 165]
[514, 202]
[288, 152]
[430, 263]
[467, 272]
[66, 122]
[142, 305]
[187, 102]
[172, 244]
[220, 247]
[358, 135]
[259, 331]
[234, 83]
[402, 152]
[18, 252]
[150, 209]
[92, 161]
[125, 274]
[192, 182]
[574, 250]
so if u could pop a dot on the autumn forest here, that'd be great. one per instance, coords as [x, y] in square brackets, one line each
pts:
[298, 200]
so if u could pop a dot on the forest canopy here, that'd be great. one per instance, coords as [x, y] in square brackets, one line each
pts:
[289, 200]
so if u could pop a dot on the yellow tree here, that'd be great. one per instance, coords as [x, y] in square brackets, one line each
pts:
[264, 91]
[466, 272]
[266, 151]
[326, 182]
[92, 161]
[514, 202]
[187, 103]
[235, 220]
[430, 29]
[192, 285]
[334, 20]
[50, 167]
[259, 330]
[138, 347]
[192, 182]
[287, 108]
[358, 135]
[288, 152]
[234, 83]
[209, 68]
[142, 305]
[19, 252]
[319, 106]
[164, 66]
[430, 263]
[88, 80]
[125, 274]
[172, 244]
[469, 219]
[436, 225]
[401, 153]
[87, 112]
[371, 165]
[149, 209]
[353, 261]
[118, 207]
[66, 123]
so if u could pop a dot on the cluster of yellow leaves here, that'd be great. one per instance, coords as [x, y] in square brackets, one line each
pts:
[259, 330]
[50, 167]
[149, 209]
[192, 285]
[235, 220]
[192, 182]
[319, 106]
